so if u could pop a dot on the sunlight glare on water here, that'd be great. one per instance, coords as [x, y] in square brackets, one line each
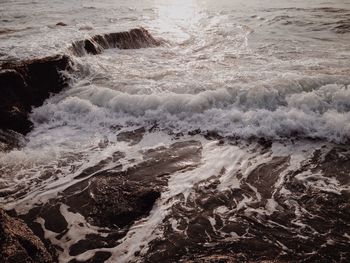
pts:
[177, 17]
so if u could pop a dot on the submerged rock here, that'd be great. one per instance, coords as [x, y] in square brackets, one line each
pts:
[119, 198]
[112, 199]
[5, 31]
[132, 137]
[27, 84]
[278, 213]
[342, 26]
[19, 244]
[61, 24]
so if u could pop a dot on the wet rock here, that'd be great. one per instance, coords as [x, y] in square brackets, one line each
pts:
[265, 176]
[19, 244]
[194, 132]
[276, 215]
[10, 140]
[99, 257]
[54, 221]
[117, 199]
[5, 31]
[100, 166]
[335, 164]
[133, 39]
[160, 162]
[27, 84]
[213, 135]
[94, 241]
[133, 137]
[61, 24]
[265, 142]
[111, 199]
[342, 26]
[13, 110]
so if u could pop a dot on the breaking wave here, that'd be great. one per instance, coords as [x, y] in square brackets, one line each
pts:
[320, 113]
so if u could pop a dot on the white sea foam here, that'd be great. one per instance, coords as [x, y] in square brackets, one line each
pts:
[321, 113]
[223, 72]
[224, 66]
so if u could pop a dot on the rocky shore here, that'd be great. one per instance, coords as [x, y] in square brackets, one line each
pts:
[277, 214]
[27, 84]
[198, 197]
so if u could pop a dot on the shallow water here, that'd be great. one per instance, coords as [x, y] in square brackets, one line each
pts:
[277, 70]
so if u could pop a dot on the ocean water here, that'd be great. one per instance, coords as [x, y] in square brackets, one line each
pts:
[242, 70]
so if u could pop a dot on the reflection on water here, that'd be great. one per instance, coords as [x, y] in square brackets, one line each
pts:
[177, 17]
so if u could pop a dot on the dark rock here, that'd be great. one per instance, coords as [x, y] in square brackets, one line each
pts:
[133, 137]
[307, 219]
[117, 199]
[19, 244]
[54, 221]
[5, 31]
[265, 176]
[100, 166]
[61, 24]
[26, 84]
[113, 199]
[13, 112]
[133, 39]
[213, 135]
[265, 143]
[93, 241]
[99, 257]
[194, 132]
[10, 140]
[91, 47]
[342, 26]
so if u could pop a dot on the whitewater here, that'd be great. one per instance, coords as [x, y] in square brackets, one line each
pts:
[253, 98]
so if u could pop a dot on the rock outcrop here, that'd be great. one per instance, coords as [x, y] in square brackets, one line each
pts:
[27, 84]
[10, 139]
[19, 244]
[133, 39]
[113, 199]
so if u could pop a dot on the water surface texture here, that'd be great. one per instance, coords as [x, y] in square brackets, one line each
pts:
[244, 108]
